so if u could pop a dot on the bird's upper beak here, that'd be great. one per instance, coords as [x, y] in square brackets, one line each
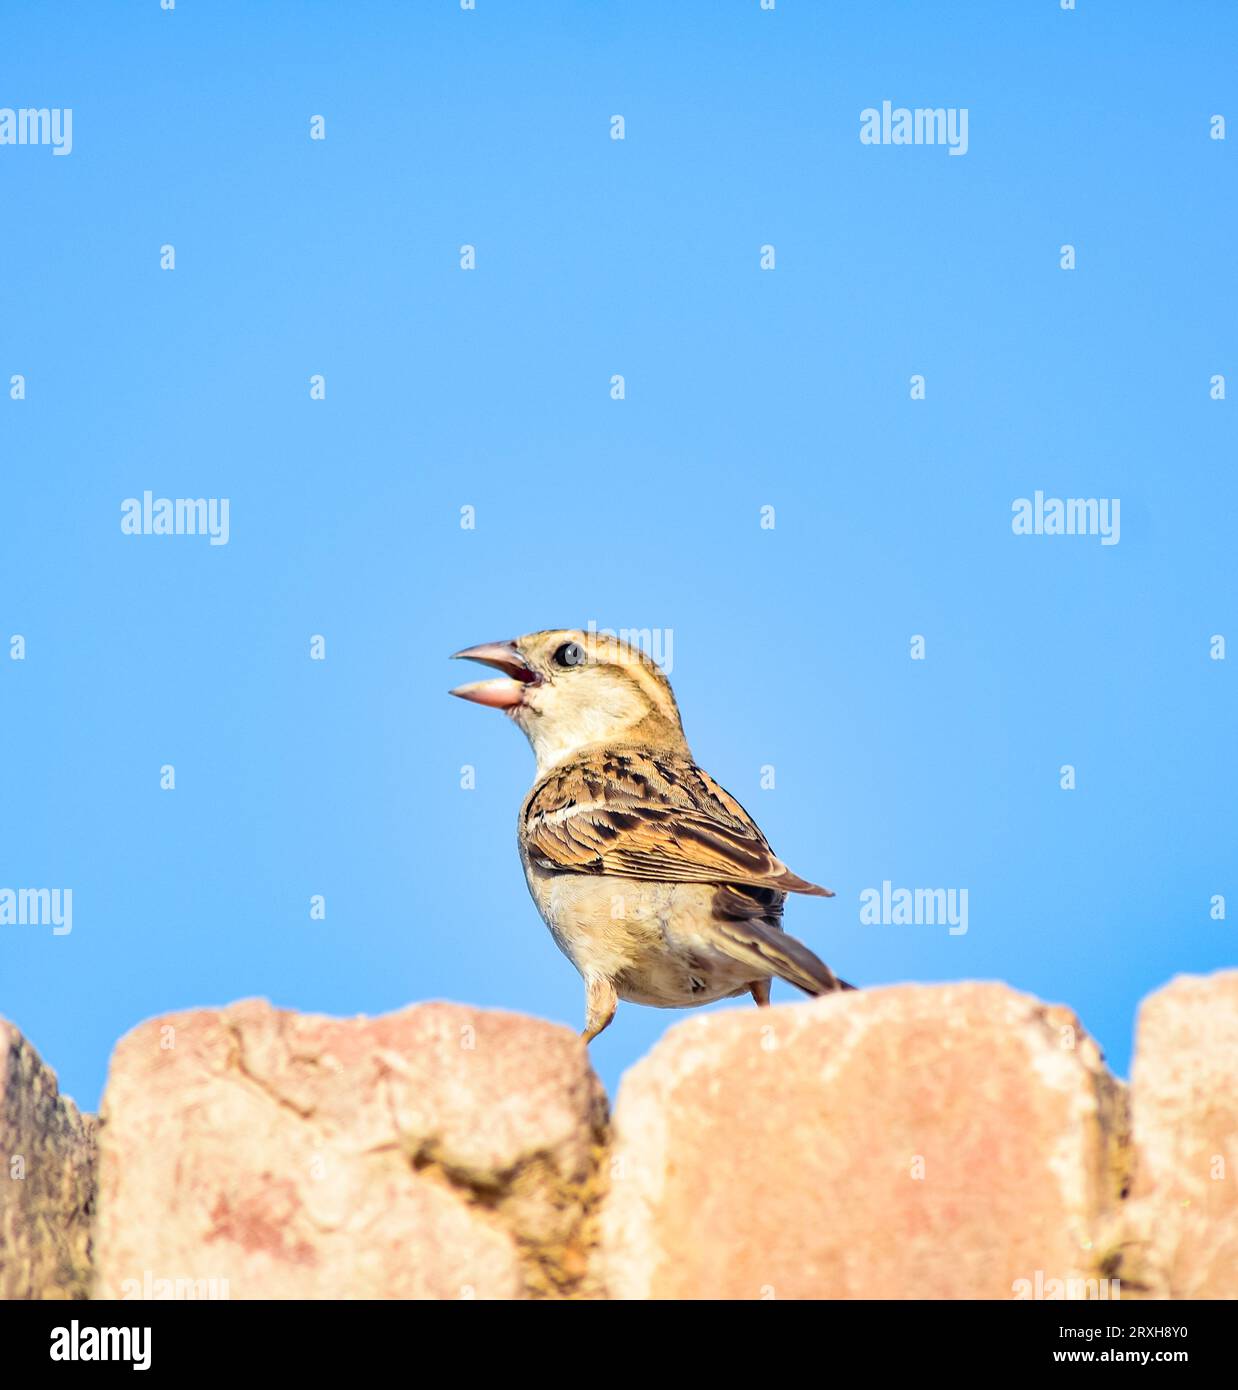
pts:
[507, 691]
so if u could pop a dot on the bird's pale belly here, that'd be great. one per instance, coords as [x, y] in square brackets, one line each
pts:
[649, 939]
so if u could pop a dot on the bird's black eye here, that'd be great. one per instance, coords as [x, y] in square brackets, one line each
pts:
[569, 654]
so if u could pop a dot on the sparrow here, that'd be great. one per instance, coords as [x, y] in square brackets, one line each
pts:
[654, 881]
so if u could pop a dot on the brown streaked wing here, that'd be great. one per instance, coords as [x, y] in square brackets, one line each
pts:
[636, 813]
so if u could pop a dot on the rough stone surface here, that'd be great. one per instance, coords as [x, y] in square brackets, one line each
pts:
[921, 1142]
[912, 1142]
[47, 1156]
[439, 1152]
[1184, 1210]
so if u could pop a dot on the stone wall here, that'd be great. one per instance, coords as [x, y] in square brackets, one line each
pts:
[47, 1179]
[954, 1141]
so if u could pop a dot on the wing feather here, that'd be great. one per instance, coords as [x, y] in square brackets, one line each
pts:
[633, 813]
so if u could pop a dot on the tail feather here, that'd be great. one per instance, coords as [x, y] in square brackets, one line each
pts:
[774, 952]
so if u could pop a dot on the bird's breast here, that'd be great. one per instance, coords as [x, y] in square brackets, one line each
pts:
[651, 940]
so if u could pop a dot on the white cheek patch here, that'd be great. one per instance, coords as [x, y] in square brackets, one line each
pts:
[579, 710]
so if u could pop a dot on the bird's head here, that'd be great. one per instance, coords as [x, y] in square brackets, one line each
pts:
[569, 690]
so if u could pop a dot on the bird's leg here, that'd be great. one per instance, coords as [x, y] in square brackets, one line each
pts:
[760, 993]
[601, 1002]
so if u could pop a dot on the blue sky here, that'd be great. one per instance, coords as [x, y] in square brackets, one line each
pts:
[491, 388]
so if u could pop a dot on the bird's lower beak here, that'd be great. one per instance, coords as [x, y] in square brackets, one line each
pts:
[505, 693]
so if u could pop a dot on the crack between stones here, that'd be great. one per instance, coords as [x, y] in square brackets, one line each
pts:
[552, 1268]
[1118, 1248]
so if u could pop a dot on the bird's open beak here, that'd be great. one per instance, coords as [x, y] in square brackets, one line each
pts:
[507, 691]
